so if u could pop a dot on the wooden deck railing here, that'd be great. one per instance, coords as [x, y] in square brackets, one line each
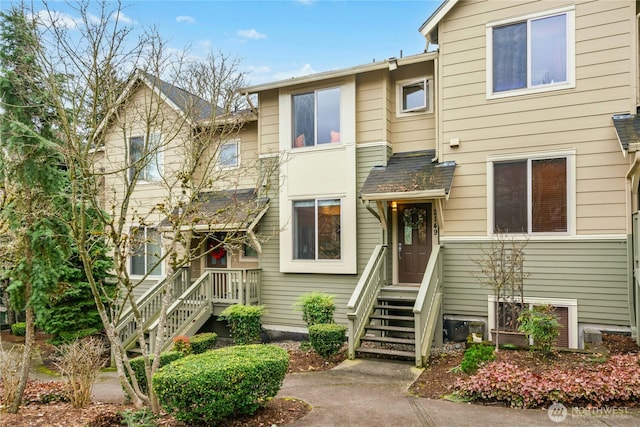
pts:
[364, 296]
[428, 306]
[216, 286]
[148, 305]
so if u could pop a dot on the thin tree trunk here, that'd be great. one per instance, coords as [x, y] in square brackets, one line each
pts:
[26, 356]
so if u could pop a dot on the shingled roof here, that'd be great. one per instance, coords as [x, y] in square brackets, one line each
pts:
[227, 209]
[409, 175]
[628, 129]
[185, 101]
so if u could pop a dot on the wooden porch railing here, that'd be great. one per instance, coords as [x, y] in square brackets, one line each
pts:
[428, 306]
[194, 307]
[364, 296]
[149, 305]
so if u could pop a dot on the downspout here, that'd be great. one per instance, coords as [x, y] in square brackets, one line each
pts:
[436, 111]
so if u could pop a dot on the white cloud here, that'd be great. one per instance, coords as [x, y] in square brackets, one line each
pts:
[59, 18]
[306, 2]
[251, 34]
[186, 18]
[121, 17]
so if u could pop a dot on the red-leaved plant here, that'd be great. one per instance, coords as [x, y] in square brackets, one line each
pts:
[182, 343]
[616, 381]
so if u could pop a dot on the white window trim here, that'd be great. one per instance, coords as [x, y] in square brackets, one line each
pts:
[316, 200]
[571, 304]
[149, 276]
[428, 83]
[569, 11]
[570, 155]
[315, 118]
[238, 155]
[159, 156]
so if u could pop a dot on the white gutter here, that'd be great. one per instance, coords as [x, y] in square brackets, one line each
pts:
[407, 195]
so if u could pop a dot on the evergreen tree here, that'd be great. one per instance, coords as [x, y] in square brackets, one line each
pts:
[33, 176]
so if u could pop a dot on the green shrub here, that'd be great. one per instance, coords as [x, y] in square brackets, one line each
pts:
[71, 336]
[542, 324]
[474, 356]
[206, 388]
[244, 322]
[203, 342]
[19, 329]
[327, 338]
[316, 307]
[137, 364]
[138, 418]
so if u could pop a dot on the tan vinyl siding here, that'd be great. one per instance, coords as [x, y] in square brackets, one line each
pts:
[268, 124]
[279, 291]
[578, 118]
[370, 116]
[411, 132]
[591, 271]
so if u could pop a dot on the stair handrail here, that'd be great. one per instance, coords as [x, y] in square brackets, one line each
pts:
[199, 292]
[428, 306]
[149, 304]
[363, 298]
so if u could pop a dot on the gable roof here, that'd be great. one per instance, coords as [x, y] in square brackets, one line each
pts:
[431, 24]
[628, 129]
[180, 98]
[410, 175]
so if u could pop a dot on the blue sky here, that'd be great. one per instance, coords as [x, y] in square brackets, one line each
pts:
[276, 40]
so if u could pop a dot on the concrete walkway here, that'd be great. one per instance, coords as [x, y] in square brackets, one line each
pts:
[374, 393]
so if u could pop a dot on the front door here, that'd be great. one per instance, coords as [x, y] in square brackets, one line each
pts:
[216, 253]
[414, 241]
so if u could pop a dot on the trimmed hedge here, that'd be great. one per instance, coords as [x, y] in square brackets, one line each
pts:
[327, 338]
[203, 342]
[206, 388]
[316, 307]
[137, 364]
[19, 329]
[244, 322]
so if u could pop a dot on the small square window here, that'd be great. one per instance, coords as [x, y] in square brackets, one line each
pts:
[413, 96]
[229, 155]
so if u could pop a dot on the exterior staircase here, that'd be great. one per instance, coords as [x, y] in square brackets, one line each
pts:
[390, 330]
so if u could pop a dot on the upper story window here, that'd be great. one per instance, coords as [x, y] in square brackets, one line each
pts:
[316, 118]
[146, 252]
[531, 195]
[531, 54]
[145, 157]
[229, 155]
[413, 96]
[316, 225]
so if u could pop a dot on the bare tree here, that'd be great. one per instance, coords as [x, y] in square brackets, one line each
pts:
[501, 268]
[145, 132]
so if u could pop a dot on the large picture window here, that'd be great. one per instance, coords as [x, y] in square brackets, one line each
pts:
[531, 53]
[145, 158]
[530, 196]
[316, 118]
[317, 229]
[146, 252]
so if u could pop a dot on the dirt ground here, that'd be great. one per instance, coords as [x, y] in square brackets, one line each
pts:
[276, 412]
